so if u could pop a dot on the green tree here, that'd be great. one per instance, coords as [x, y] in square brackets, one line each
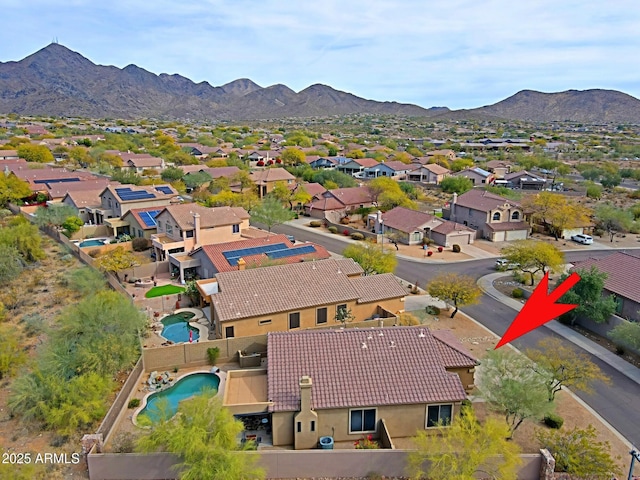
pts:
[556, 212]
[299, 139]
[464, 449]
[25, 238]
[116, 260]
[86, 281]
[292, 156]
[388, 194]
[371, 258]
[196, 179]
[11, 263]
[587, 294]
[12, 354]
[270, 212]
[563, 366]
[12, 189]
[171, 174]
[613, 219]
[534, 256]
[243, 179]
[511, 387]
[579, 453]
[204, 435]
[457, 185]
[71, 225]
[291, 196]
[626, 335]
[35, 153]
[461, 163]
[342, 180]
[126, 177]
[460, 290]
[594, 191]
[54, 215]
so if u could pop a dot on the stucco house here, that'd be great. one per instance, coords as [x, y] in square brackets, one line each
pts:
[181, 228]
[525, 180]
[357, 165]
[339, 202]
[142, 221]
[299, 296]
[386, 382]
[623, 278]
[395, 169]
[499, 168]
[265, 180]
[493, 217]
[477, 175]
[429, 173]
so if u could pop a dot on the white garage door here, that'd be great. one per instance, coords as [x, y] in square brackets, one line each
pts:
[516, 235]
[498, 237]
[459, 239]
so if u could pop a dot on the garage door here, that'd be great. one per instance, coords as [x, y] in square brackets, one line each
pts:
[516, 235]
[459, 239]
[498, 237]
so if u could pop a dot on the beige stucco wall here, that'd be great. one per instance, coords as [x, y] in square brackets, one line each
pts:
[280, 321]
[208, 236]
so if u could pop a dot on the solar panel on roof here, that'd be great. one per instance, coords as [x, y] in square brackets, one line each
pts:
[165, 189]
[122, 189]
[232, 256]
[290, 252]
[58, 180]
[135, 195]
[149, 218]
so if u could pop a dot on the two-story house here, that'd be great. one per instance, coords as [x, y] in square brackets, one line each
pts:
[394, 169]
[339, 202]
[493, 217]
[357, 166]
[265, 180]
[182, 228]
[299, 296]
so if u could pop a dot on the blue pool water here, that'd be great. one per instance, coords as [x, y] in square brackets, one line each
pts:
[176, 328]
[157, 407]
[91, 243]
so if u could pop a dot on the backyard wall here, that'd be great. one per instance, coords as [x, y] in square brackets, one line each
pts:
[280, 464]
[603, 329]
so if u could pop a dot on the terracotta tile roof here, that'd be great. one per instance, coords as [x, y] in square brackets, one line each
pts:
[209, 217]
[437, 169]
[313, 188]
[407, 220]
[374, 287]
[397, 165]
[623, 270]
[145, 162]
[352, 195]
[447, 227]
[261, 177]
[221, 171]
[365, 162]
[59, 190]
[84, 198]
[191, 168]
[399, 366]
[498, 164]
[135, 212]
[221, 264]
[282, 288]
[483, 201]
[454, 354]
[508, 226]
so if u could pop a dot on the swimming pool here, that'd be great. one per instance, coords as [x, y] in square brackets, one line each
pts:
[91, 243]
[164, 404]
[177, 328]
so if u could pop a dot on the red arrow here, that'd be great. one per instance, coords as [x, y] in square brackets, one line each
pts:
[540, 308]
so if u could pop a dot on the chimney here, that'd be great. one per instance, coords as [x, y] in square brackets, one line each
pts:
[452, 210]
[378, 221]
[196, 227]
[241, 264]
[305, 393]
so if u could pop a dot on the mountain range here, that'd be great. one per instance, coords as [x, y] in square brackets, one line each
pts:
[58, 81]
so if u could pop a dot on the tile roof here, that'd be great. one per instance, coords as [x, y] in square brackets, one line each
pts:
[447, 227]
[397, 165]
[399, 366]
[623, 270]
[483, 201]
[524, 174]
[135, 212]
[407, 220]
[155, 190]
[508, 226]
[283, 288]
[209, 216]
[454, 354]
[84, 198]
[365, 162]
[313, 188]
[352, 195]
[221, 171]
[270, 175]
[59, 190]
[221, 264]
[145, 162]
[436, 169]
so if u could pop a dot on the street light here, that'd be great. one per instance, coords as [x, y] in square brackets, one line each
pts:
[382, 235]
[634, 456]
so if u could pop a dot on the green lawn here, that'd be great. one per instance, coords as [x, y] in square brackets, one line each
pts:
[163, 290]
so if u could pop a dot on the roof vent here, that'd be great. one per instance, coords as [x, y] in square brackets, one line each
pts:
[392, 344]
[422, 335]
[364, 345]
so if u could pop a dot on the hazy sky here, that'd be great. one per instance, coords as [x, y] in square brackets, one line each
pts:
[455, 53]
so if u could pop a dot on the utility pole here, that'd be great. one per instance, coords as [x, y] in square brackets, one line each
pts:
[634, 456]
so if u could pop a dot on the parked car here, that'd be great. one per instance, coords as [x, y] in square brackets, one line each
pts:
[504, 264]
[582, 238]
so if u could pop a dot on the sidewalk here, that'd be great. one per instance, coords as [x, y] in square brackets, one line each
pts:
[630, 371]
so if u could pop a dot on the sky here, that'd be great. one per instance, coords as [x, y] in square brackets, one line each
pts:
[453, 53]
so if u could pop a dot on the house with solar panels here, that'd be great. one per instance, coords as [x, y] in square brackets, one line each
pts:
[185, 227]
[297, 296]
[115, 201]
[142, 221]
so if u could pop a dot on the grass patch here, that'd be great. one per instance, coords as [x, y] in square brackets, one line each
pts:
[163, 290]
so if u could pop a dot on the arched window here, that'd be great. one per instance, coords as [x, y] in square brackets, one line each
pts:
[496, 216]
[515, 216]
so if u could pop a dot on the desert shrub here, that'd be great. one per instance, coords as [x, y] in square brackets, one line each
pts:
[133, 403]
[553, 421]
[426, 241]
[432, 310]
[519, 277]
[333, 229]
[140, 244]
[357, 236]
[315, 223]
[33, 324]
[212, 354]
[95, 253]
[456, 248]
[124, 442]
[517, 293]
[67, 257]
[407, 320]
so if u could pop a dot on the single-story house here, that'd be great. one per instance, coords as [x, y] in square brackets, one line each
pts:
[525, 180]
[341, 201]
[477, 175]
[428, 173]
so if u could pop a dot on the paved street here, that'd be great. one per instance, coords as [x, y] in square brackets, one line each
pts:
[618, 403]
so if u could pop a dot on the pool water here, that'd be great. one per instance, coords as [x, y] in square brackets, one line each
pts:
[176, 328]
[91, 243]
[164, 404]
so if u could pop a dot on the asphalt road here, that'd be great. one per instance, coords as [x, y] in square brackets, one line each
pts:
[618, 403]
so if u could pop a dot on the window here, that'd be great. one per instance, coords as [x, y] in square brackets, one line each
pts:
[235, 228]
[228, 332]
[140, 234]
[321, 315]
[189, 233]
[169, 229]
[264, 322]
[515, 216]
[496, 216]
[313, 425]
[299, 426]
[362, 420]
[294, 320]
[439, 415]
